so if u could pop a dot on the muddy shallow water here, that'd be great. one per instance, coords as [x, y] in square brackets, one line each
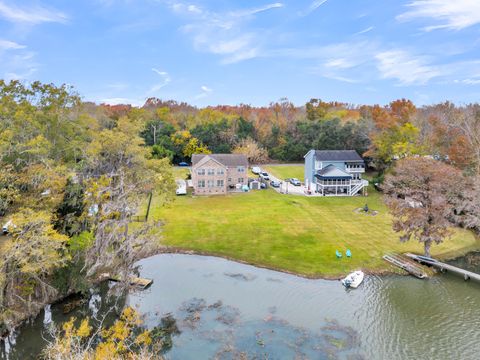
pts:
[226, 310]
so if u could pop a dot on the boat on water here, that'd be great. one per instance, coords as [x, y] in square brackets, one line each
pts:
[354, 279]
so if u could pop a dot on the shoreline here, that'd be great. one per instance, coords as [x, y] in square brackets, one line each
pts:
[176, 250]
[182, 251]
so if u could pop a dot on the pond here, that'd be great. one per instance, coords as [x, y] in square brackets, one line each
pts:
[227, 310]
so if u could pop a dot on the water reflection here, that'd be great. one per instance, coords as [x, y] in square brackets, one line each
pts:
[210, 308]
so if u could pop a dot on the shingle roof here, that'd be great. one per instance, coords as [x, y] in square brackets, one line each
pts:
[225, 159]
[331, 171]
[337, 155]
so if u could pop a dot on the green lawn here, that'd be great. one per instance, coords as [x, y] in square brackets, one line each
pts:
[180, 172]
[292, 233]
[286, 171]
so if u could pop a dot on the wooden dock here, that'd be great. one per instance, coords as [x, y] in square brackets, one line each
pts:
[406, 265]
[140, 283]
[443, 267]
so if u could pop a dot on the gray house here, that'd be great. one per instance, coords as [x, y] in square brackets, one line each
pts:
[334, 172]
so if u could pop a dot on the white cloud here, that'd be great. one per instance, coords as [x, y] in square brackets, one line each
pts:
[406, 68]
[468, 81]
[194, 9]
[368, 29]
[450, 14]
[16, 61]
[165, 81]
[205, 92]
[31, 14]
[225, 33]
[254, 11]
[118, 86]
[313, 6]
[10, 45]
[231, 45]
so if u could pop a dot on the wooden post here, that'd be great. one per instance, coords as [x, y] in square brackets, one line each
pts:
[148, 208]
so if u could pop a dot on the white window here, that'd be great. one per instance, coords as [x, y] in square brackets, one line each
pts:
[201, 171]
[240, 169]
[240, 180]
[201, 183]
[219, 171]
[219, 183]
[211, 171]
[229, 179]
[210, 183]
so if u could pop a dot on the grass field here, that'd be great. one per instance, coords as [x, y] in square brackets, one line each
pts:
[283, 172]
[292, 233]
[180, 172]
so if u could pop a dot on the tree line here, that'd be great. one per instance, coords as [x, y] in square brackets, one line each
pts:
[74, 173]
[72, 178]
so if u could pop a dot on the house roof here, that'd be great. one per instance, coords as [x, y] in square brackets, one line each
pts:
[332, 172]
[229, 160]
[337, 155]
[204, 160]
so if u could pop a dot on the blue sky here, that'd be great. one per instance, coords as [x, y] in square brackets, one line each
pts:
[209, 52]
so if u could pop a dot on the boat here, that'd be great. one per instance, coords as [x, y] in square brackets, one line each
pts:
[354, 279]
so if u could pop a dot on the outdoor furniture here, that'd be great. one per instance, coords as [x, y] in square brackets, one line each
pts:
[348, 253]
[338, 253]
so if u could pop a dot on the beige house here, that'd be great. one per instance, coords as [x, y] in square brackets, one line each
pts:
[218, 173]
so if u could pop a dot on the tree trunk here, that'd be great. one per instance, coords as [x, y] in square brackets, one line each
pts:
[427, 245]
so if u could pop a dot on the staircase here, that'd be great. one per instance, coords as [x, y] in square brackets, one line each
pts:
[354, 190]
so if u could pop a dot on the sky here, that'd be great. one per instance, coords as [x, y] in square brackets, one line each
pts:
[209, 52]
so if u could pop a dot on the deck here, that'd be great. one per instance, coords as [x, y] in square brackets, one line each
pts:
[137, 282]
[406, 264]
[443, 267]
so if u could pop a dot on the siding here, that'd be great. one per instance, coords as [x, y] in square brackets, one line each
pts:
[215, 177]
[309, 168]
[338, 164]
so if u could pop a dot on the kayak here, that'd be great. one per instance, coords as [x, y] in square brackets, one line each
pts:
[354, 279]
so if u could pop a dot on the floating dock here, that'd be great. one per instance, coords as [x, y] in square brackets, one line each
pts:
[406, 265]
[443, 267]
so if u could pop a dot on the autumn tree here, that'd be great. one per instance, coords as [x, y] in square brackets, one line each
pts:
[316, 109]
[119, 172]
[254, 153]
[395, 135]
[126, 338]
[466, 206]
[420, 194]
[35, 252]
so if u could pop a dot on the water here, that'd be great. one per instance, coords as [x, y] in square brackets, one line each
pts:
[227, 310]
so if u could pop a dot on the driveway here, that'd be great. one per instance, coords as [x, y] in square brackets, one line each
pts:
[286, 187]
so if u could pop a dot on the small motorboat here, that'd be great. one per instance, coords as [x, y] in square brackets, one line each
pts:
[354, 279]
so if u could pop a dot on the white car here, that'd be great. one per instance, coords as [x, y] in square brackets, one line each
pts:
[264, 175]
[295, 182]
[181, 187]
[6, 227]
[256, 170]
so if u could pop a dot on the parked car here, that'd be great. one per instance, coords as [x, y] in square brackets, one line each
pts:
[275, 183]
[183, 163]
[256, 170]
[181, 187]
[263, 186]
[6, 227]
[295, 181]
[264, 175]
